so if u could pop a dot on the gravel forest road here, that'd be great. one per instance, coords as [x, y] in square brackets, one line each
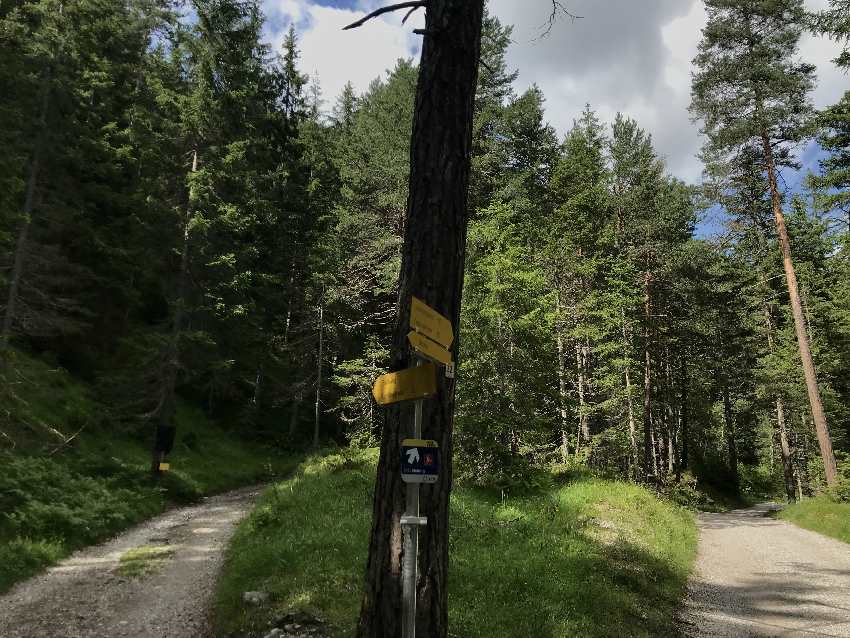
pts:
[760, 576]
[85, 596]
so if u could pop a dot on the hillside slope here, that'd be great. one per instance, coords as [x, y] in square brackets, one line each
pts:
[71, 478]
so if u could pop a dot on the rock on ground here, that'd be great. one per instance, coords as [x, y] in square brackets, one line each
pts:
[760, 576]
[85, 596]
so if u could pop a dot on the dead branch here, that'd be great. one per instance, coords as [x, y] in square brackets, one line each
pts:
[66, 441]
[388, 9]
[409, 13]
[557, 8]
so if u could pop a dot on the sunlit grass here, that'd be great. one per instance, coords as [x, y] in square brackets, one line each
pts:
[144, 560]
[589, 558]
[821, 515]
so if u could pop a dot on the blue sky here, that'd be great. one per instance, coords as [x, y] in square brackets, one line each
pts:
[623, 55]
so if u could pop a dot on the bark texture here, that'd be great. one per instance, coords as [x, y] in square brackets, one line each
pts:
[431, 269]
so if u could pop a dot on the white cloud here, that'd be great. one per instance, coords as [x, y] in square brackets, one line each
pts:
[337, 56]
[623, 55]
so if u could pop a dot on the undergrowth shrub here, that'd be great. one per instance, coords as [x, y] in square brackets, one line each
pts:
[840, 492]
[47, 498]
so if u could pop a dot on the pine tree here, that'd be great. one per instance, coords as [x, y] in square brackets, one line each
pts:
[431, 269]
[751, 92]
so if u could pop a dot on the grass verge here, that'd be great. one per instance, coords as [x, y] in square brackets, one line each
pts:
[822, 515]
[143, 560]
[57, 495]
[589, 558]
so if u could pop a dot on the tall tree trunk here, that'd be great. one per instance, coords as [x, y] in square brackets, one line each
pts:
[432, 269]
[781, 425]
[562, 383]
[166, 409]
[731, 443]
[818, 415]
[670, 416]
[683, 420]
[649, 456]
[22, 243]
[293, 414]
[319, 375]
[582, 431]
[629, 402]
[785, 449]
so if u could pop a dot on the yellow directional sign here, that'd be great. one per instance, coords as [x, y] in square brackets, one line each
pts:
[430, 349]
[426, 320]
[414, 383]
[164, 467]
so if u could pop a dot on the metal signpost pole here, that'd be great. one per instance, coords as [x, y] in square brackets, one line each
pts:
[411, 540]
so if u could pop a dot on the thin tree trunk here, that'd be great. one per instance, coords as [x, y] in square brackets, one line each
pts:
[293, 415]
[781, 426]
[562, 384]
[319, 379]
[629, 403]
[165, 411]
[683, 421]
[649, 456]
[582, 431]
[22, 243]
[731, 443]
[258, 383]
[785, 449]
[432, 269]
[670, 417]
[818, 415]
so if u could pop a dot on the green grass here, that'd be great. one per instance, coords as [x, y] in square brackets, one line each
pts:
[588, 558]
[57, 497]
[143, 560]
[822, 515]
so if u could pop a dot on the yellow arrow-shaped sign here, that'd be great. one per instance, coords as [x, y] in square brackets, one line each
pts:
[432, 324]
[430, 349]
[414, 383]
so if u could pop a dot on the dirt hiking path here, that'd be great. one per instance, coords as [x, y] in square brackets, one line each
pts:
[86, 596]
[759, 576]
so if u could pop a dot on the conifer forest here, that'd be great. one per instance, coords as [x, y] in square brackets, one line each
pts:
[188, 219]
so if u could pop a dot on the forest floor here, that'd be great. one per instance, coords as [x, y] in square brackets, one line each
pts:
[157, 579]
[759, 576]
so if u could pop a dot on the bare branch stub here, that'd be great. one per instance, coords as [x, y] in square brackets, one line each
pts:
[413, 6]
[409, 13]
[557, 8]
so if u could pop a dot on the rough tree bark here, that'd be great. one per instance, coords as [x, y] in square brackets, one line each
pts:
[431, 269]
[818, 415]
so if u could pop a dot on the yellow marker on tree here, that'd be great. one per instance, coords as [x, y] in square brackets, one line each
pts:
[429, 322]
[408, 385]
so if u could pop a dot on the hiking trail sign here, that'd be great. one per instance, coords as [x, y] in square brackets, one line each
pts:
[408, 385]
[420, 461]
[427, 321]
[430, 349]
